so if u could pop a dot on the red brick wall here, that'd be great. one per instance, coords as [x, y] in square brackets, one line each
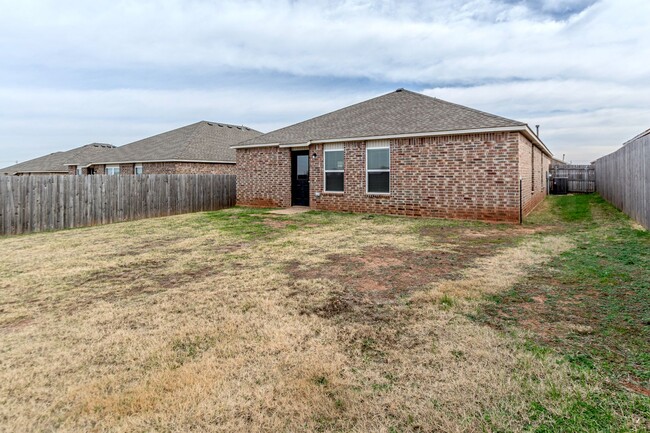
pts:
[462, 176]
[127, 168]
[201, 168]
[472, 176]
[533, 169]
[264, 177]
[170, 168]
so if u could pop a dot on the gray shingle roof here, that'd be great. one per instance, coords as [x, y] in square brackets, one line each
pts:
[56, 162]
[399, 112]
[201, 141]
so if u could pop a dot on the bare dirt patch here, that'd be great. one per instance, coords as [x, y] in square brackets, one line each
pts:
[386, 273]
[275, 223]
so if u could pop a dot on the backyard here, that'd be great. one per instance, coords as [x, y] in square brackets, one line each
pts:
[242, 320]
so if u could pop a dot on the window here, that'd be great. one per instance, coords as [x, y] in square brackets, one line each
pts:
[532, 168]
[302, 167]
[378, 167]
[79, 171]
[138, 169]
[112, 169]
[334, 168]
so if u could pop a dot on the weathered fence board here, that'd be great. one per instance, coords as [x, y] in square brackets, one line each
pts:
[38, 203]
[623, 179]
[581, 178]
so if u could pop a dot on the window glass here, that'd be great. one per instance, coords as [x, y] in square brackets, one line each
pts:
[378, 159]
[113, 170]
[302, 166]
[334, 181]
[138, 169]
[334, 167]
[79, 172]
[379, 182]
[334, 160]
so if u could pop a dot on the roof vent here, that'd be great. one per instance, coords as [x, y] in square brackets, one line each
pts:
[209, 123]
[400, 89]
[220, 125]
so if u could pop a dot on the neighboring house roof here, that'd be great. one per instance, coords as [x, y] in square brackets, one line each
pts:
[57, 162]
[399, 113]
[199, 142]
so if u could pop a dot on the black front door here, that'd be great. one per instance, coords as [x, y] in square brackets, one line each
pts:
[300, 178]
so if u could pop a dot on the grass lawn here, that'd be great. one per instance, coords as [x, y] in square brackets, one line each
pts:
[240, 320]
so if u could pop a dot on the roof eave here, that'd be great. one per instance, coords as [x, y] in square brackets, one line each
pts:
[39, 171]
[141, 161]
[529, 134]
[525, 129]
[239, 146]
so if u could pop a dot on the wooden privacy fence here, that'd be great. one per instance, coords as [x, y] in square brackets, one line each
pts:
[624, 179]
[38, 203]
[580, 178]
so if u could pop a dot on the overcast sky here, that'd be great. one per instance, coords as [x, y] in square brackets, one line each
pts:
[75, 72]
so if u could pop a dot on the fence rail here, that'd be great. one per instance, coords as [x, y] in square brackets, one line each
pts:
[38, 203]
[624, 179]
[580, 178]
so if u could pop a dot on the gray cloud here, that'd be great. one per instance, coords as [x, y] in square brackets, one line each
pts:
[558, 63]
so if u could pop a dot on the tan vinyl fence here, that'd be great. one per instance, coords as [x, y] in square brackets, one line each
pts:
[623, 179]
[53, 202]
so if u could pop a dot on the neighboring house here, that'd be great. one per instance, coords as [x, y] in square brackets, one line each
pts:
[401, 153]
[203, 147]
[55, 163]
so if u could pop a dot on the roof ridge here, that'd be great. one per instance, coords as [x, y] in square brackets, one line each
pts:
[162, 133]
[325, 114]
[210, 122]
[197, 127]
[485, 113]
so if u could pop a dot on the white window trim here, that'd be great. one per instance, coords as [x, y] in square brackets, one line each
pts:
[374, 146]
[325, 170]
[113, 167]
[135, 169]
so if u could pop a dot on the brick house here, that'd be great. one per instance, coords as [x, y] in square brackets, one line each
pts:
[402, 153]
[55, 163]
[199, 148]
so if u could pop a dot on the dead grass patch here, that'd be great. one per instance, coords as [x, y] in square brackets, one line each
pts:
[218, 332]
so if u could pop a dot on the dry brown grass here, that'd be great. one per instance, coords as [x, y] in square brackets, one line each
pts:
[175, 325]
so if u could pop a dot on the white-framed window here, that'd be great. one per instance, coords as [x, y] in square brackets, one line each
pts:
[378, 167]
[138, 169]
[79, 171]
[112, 170]
[334, 167]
